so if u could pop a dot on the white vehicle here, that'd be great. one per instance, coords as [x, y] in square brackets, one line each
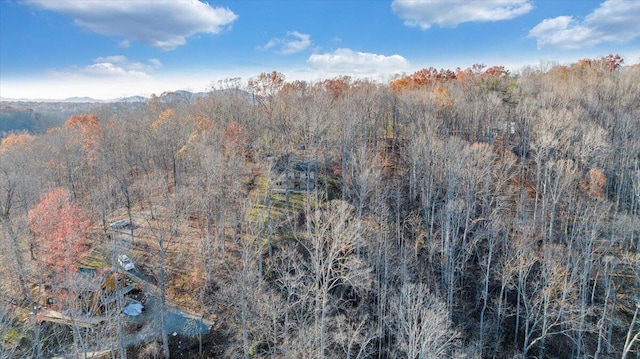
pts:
[133, 307]
[125, 262]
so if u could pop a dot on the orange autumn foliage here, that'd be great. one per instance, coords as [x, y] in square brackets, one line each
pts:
[265, 87]
[14, 141]
[443, 97]
[429, 77]
[85, 121]
[296, 88]
[495, 71]
[234, 140]
[267, 84]
[164, 117]
[86, 129]
[401, 84]
[336, 87]
[422, 79]
[610, 62]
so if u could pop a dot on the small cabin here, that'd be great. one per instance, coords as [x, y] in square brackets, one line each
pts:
[295, 175]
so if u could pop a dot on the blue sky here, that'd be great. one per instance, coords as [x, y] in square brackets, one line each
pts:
[114, 48]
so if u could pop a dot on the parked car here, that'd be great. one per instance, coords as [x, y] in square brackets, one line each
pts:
[125, 262]
[121, 224]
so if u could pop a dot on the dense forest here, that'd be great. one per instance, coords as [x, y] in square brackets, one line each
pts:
[450, 213]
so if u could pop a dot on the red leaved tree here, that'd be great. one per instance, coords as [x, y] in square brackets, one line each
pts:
[61, 232]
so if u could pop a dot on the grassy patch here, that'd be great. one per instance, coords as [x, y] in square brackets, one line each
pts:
[284, 212]
[12, 336]
[95, 260]
[277, 209]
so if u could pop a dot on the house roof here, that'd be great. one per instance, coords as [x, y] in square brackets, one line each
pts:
[290, 161]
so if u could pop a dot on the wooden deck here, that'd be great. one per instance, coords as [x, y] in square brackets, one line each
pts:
[80, 321]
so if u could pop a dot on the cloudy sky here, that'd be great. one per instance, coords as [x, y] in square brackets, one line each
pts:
[114, 48]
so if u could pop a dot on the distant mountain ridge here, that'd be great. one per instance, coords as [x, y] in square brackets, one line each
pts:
[172, 95]
[178, 96]
[39, 115]
[66, 100]
[74, 100]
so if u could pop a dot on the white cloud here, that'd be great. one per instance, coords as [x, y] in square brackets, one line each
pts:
[349, 62]
[160, 23]
[111, 66]
[294, 42]
[113, 59]
[108, 69]
[450, 13]
[613, 21]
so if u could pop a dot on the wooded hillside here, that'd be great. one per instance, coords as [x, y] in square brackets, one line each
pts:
[37, 117]
[468, 213]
